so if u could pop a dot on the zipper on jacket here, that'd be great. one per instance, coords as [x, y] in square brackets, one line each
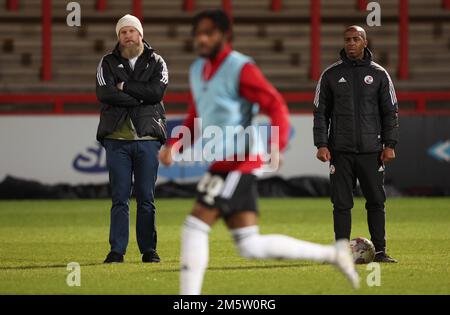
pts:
[356, 107]
[160, 123]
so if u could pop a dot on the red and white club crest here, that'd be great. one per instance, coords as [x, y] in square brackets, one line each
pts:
[368, 79]
[332, 169]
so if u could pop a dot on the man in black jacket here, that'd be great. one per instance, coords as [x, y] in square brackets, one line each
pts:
[131, 82]
[356, 130]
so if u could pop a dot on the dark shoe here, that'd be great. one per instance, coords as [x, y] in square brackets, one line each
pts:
[113, 257]
[384, 258]
[151, 257]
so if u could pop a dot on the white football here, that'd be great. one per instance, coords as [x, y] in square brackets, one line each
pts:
[363, 250]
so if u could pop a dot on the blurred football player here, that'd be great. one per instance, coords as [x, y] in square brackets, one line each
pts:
[226, 86]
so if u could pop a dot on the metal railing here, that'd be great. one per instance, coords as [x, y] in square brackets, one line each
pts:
[58, 102]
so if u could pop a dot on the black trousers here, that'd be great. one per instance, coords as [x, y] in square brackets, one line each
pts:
[368, 168]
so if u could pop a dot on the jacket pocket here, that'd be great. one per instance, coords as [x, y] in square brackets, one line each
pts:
[109, 119]
[149, 121]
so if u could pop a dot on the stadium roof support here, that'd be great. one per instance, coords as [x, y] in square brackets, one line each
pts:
[446, 4]
[137, 9]
[361, 4]
[403, 57]
[189, 5]
[46, 74]
[315, 40]
[101, 5]
[276, 5]
[12, 5]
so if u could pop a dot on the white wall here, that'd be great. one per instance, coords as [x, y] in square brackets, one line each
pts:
[44, 148]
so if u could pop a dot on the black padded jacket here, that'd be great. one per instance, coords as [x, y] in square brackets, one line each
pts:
[141, 97]
[356, 108]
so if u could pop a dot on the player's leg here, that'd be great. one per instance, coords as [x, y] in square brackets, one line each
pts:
[195, 234]
[253, 245]
[195, 248]
[119, 165]
[241, 219]
[342, 183]
[145, 172]
[370, 172]
[239, 203]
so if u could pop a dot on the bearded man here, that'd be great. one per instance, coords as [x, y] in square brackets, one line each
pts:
[131, 81]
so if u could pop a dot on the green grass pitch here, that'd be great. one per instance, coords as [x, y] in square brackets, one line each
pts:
[39, 238]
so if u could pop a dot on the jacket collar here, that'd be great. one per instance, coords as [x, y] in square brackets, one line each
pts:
[366, 60]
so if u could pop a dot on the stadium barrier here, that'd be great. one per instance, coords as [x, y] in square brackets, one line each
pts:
[62, 150]
[58, 101]
[17, 188]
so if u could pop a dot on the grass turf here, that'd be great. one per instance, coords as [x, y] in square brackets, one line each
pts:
[39, 238]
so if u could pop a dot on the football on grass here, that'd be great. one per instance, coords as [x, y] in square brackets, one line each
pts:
[363, 250]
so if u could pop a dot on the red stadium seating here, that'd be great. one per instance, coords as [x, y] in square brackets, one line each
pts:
[291, 40]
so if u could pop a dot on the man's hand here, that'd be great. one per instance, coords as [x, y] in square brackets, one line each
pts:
[165, 155]
[323, 154]
[276, 157]
[387, 155]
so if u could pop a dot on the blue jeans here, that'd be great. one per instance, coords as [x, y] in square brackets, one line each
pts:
[125, 159]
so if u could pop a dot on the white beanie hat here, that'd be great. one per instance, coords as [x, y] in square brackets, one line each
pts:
[129, 20]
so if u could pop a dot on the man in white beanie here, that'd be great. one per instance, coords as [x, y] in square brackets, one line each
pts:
[131, 81]
[130, 28]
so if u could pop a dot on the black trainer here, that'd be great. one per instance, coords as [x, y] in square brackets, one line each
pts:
[151, 257]
[384, 258]
[113, 257]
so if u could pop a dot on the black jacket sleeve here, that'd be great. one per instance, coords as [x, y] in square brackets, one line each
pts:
[152, 91]
[388, 112]
[323, 102]
[106, 89]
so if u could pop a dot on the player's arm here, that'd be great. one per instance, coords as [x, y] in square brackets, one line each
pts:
[152, 91]
[166, 152]
[257, 89]
[107, 91]
[389, 112]
[323, 102]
